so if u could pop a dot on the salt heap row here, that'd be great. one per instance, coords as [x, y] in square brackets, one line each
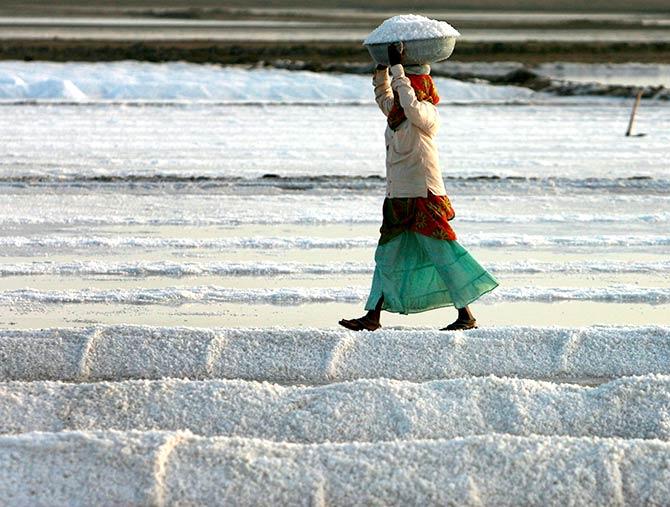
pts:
[426, 423]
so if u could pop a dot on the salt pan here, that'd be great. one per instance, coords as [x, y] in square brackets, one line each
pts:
[410, 27]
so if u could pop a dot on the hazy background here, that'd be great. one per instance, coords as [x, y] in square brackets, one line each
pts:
[44, 8]
[318, 33]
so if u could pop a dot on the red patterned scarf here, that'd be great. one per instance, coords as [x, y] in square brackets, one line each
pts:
[424, 88]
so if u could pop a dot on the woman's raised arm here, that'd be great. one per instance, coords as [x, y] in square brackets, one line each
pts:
[383, 92]
[423, 114]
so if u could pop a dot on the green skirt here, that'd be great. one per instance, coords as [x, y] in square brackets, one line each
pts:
[416, 273]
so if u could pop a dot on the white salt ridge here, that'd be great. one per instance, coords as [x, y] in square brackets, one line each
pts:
[179, 82]
[180, 269]
[183, 295]
[285, 207]
[595, 240]
[410, 27]
[177, 468]
[58, 243]
[626, 74]
[301, 216]
[359, 411]
[620, 293]
[317, 356]
[202, 208]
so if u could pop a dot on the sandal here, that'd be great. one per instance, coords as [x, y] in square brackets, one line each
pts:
[461, 325]
[362, 324]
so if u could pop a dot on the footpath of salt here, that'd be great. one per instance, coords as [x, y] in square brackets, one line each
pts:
[164, 468]
[410, 27]
[361, 411]
[321, 356]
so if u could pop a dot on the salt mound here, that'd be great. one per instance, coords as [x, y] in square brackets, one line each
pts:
[410, 27]
[174, 81]
[178, 468]
[318, 356]
[373, 410]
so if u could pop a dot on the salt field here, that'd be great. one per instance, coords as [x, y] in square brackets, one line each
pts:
[178, 242]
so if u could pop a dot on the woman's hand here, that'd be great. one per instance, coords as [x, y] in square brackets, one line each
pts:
[395, 52]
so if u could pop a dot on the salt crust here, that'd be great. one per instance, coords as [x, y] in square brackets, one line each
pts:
[361, 411]
[317, 356]
[166, 468]
[410, 27]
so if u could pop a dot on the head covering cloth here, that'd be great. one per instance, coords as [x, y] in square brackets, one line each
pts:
[424, 89]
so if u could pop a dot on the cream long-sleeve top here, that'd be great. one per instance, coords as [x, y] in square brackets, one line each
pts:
[412, 161]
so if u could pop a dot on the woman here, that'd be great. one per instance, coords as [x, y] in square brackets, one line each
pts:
[419, 265]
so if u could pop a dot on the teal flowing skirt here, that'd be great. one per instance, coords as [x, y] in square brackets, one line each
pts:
[416, 273]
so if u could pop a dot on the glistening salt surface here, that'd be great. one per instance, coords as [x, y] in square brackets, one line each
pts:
[317, 356]
[410, 27]
[178, 468]
[361, 411]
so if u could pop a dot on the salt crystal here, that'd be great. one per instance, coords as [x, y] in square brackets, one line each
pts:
[410, 27]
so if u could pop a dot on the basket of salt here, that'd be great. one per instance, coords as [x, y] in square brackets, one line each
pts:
[424, 40]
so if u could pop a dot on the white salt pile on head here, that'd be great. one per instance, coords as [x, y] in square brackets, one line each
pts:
[410, 27]
[425, 40]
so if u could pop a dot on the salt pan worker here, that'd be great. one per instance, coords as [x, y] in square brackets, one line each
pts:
[419, 265]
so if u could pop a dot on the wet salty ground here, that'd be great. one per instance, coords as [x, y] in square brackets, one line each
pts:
[569, 216]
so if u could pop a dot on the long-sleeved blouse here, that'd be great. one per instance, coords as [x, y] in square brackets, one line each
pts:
[412, 161]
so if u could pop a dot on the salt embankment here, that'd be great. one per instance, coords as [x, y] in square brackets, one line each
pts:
[395, 417]
[317, 356]
[362, 411]
[169, 468]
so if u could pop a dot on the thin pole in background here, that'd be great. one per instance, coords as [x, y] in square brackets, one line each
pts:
[631, 123]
